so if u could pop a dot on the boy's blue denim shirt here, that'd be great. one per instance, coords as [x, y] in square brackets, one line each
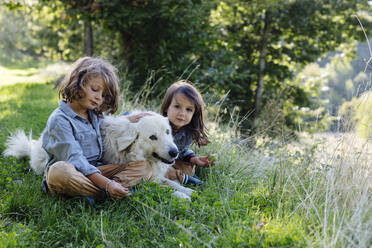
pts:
[71, 138]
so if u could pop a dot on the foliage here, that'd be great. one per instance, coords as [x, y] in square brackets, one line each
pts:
[17, 35]
[227, 48]
[32, 32]
[162, 36]
[332, 82]
[298, 32]
[364, 115]
[307, 111]
[340, 84]
[357, 115]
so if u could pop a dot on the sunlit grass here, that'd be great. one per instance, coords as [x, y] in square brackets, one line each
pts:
[42, 74]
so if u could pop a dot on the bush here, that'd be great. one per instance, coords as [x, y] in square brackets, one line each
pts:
[357, 115]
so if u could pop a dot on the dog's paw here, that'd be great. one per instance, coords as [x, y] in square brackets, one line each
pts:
[187, 191]
[181, 195]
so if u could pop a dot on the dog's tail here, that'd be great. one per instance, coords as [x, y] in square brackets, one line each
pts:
[19, 145]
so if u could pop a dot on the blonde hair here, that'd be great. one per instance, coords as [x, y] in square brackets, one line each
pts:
[196, 125]
[81, 72]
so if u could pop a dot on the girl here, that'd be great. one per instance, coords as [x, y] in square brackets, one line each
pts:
[72, 137]
[183, 105]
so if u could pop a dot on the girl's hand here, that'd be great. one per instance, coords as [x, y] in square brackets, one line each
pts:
[203, 161]
[137, 117]
[115, 190]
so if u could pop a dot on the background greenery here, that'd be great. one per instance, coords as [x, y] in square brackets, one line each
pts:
[251, 54]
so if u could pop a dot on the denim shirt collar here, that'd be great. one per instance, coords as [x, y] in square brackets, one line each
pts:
[67, 109]
[71, 113]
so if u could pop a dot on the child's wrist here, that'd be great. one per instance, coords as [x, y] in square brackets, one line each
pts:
[192, 159]
[188, 158]
[107, 186]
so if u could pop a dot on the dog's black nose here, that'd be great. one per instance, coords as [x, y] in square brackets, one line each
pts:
[173, 152]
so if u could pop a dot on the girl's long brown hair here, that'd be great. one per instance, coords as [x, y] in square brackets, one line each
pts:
[84, 69]
[196, 125]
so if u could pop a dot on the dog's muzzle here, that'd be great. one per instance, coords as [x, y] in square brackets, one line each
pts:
[173, 154]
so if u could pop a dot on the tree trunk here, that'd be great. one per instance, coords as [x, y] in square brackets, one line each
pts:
[126, 49]
[88, 38]
[261, 70]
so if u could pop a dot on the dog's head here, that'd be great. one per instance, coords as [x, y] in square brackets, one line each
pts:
[151, 138]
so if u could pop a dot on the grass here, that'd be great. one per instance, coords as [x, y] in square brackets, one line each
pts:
[279, 193]
[39, 73]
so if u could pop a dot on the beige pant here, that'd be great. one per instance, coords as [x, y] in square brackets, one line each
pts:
[180, 168]
[63, 179]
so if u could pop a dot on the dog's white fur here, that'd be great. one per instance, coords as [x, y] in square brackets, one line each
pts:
[20, 146]
[149, 139]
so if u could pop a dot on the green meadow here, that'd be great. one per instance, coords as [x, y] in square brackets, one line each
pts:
[314, 191]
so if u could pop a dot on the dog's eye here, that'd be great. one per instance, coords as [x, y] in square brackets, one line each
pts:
[167, 132]
[153, 137]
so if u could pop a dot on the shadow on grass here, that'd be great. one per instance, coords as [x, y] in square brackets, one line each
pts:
[20, 64]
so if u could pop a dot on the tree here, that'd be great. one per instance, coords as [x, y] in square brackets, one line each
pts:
[88, 38]
[78, 12]
[156, 35]
[269, 40]
[248, 49]
[18, 29]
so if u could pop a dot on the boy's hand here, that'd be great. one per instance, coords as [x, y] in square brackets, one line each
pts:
[203, 161]
[117, 191]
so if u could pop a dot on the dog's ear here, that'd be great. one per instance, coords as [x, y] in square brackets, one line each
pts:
[125, 141]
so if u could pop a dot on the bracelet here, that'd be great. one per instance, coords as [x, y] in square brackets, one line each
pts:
[107, 186]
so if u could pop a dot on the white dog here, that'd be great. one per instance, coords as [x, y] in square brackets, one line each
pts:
[149, 139]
